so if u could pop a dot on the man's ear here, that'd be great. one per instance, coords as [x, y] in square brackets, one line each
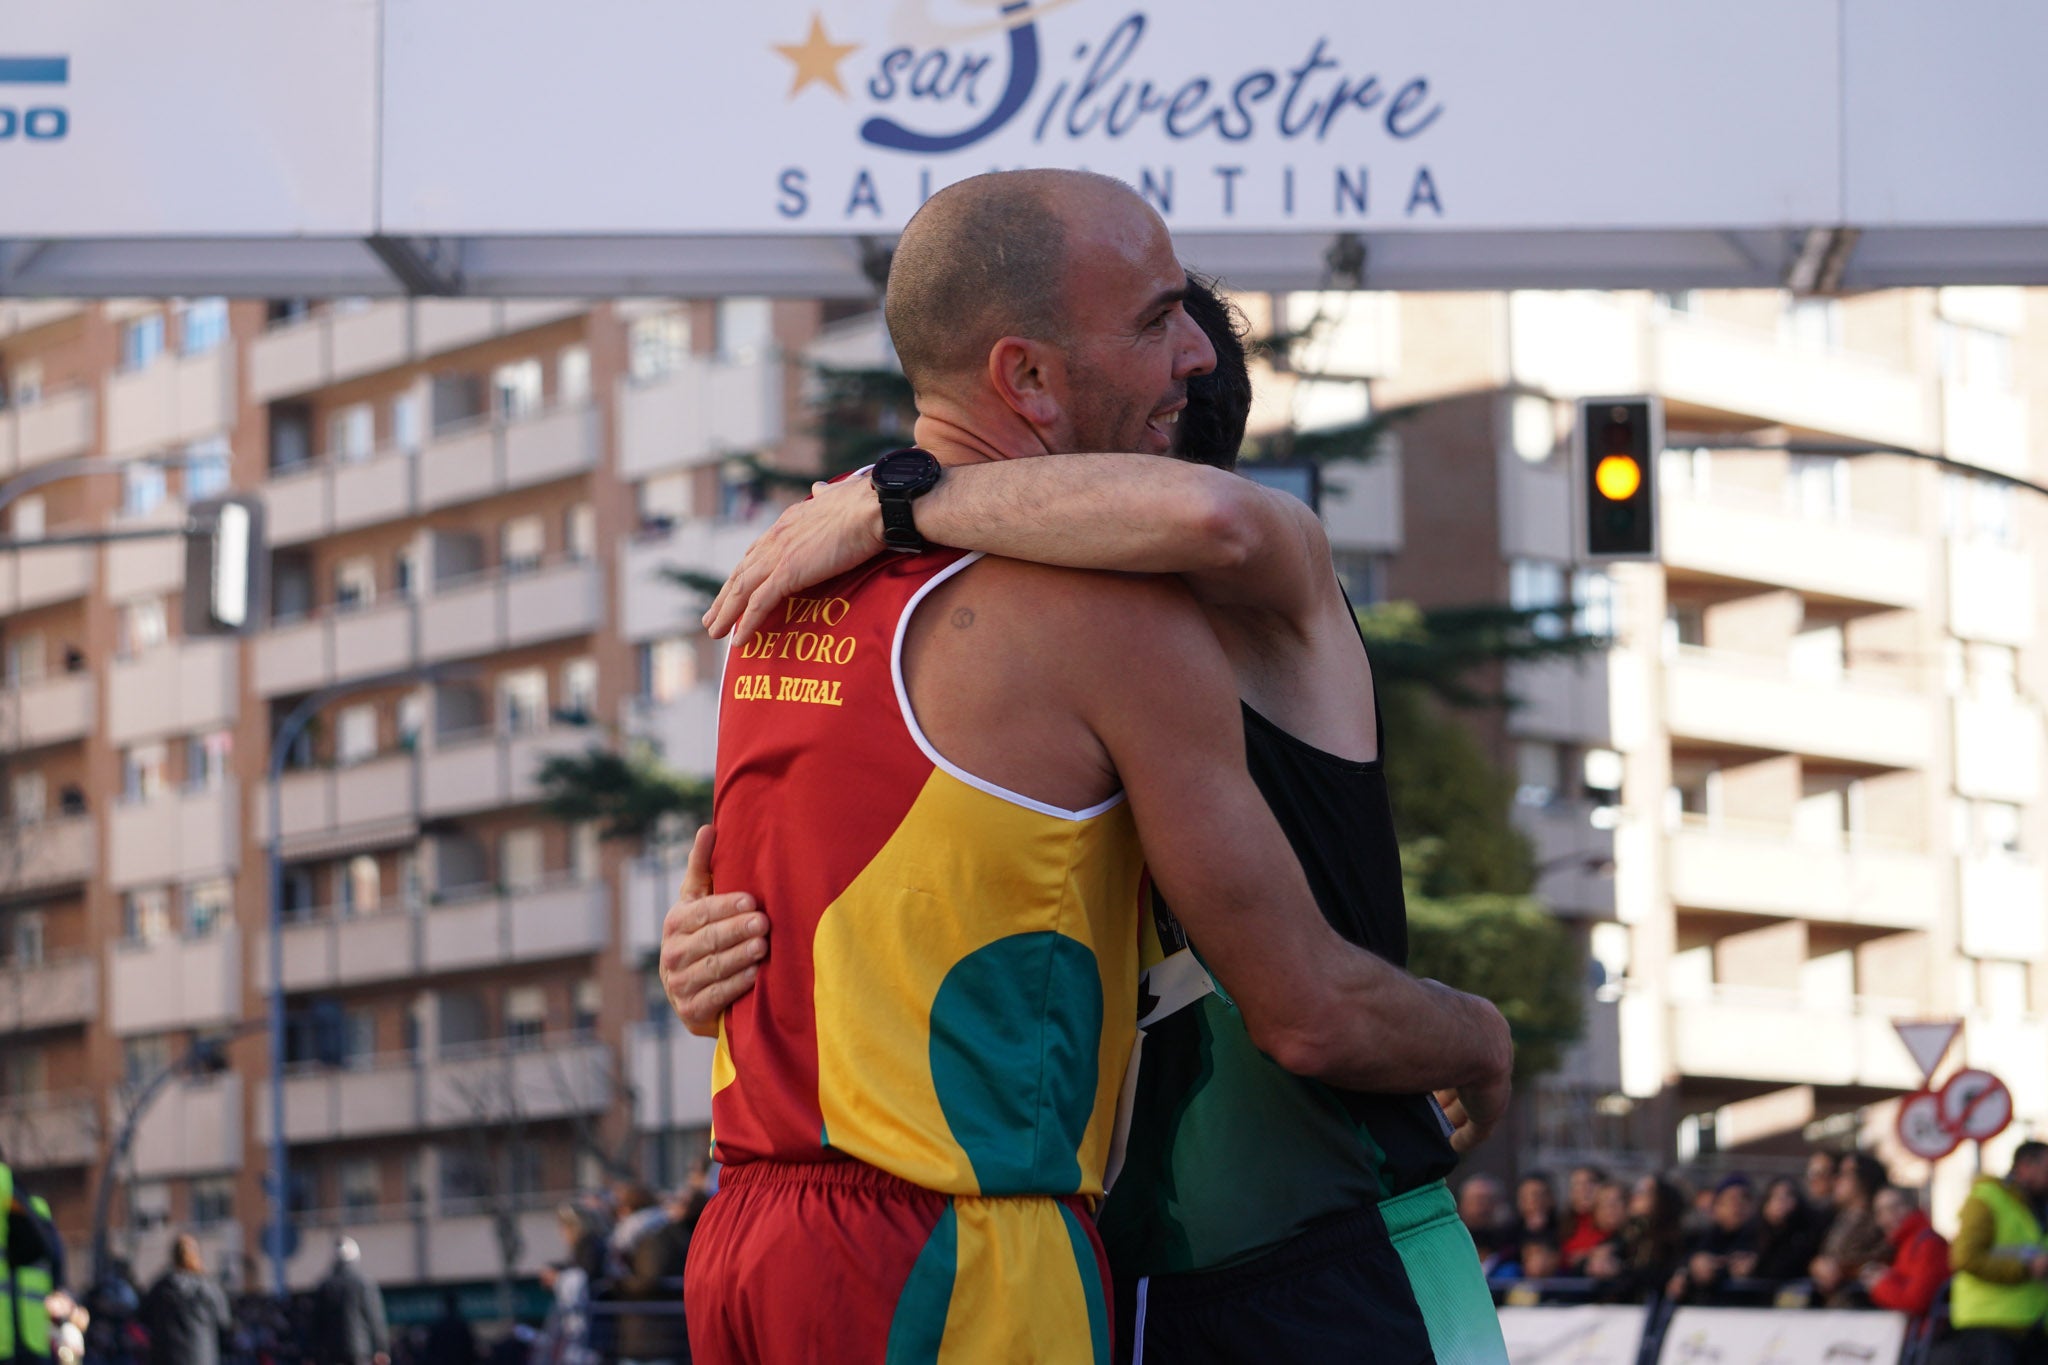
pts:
[1031, 377]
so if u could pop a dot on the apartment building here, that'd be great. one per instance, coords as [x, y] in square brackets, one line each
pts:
[1800, 797]
[468, 508]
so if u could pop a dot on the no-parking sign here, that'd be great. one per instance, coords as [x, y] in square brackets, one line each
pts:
[1975, 1105]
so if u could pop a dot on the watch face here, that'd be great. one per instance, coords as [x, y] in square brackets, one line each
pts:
[905, 470]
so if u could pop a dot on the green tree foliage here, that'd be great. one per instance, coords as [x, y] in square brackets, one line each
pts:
[1509, 950]
[632, 794]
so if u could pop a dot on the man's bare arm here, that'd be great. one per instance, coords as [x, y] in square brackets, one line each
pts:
[1235, 543]
[1165, 706]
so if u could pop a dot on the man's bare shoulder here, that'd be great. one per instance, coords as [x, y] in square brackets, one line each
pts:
[1081, 599]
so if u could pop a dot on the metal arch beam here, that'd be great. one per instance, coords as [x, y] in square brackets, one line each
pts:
[423, 265]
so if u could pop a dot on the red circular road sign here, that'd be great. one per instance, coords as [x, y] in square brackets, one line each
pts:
[1921, 1129]
[1975, 1105]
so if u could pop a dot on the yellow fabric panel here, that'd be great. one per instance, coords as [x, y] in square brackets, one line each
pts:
[963, 870]
[1017, 1294]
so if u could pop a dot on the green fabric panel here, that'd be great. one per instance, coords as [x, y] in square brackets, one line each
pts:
[1091, 1286]
[1443, 1271]
[1015, 1033]
[918, 1328]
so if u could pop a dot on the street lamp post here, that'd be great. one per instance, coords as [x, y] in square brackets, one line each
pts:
[287, 735]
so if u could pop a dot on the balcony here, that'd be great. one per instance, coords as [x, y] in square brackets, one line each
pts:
[1997, 748]
[492, 611]
[704, 409]
[685, 726]
[496, 1082]
[1984, 426]
[484, 458]
[1990, 592]
[2005, 908]
[448, 324]
[1575, 860]
[193, 1128]
[1752, 702]
[650, 605]
[57, 427]
[1362, 504]
[175, 983]
[338, 947]
[370, 1097]
[190, 687]
[1785, 1038]
[670, 1069]
[48, 1131]
[1563, 698]
[174, 400]
[1750, 372]
[651, 886]
[25, 315]
[177, 837]
[463, 932]
[148, 568]
[1725, 536]
[483, 770]
[56, 993]
[1762, 870]
[362, 801]
[46, 854]
[44, 575]
[55, 710]
[306, 501]
[329, 348]
[336, 646]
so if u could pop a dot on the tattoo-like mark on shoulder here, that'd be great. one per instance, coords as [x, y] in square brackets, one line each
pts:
[963, 617]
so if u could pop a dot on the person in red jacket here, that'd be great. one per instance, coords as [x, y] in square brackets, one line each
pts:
[1919, 1263]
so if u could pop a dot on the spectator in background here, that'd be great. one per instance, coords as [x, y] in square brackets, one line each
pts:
[450, 1340]
[1821, 1168]
[1481, 1211]
[1999, 1300]
[1610, 1216]
[1536, 1210]
[185, 1313]
[565, 1340]
[1641, 1261]
[1581, 1232]
[348, 1313]
[1789, 1235]
[660, 1337]
[1540, 1259]
[1919, 1264]
[1710, 1253]
[1854, 1239]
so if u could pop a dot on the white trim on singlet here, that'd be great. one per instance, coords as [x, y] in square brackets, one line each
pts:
[1138, 1329]
[938, 759]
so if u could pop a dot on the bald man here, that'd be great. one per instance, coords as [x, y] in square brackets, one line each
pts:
[936, 773]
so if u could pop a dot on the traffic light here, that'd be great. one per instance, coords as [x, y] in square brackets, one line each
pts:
[224, 567]
[1619, 440]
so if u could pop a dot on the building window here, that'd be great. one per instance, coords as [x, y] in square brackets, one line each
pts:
[355, 583]
[30, 516]
[657, 345]
[1539, 772]
[746, 328]
[521, 543]
[362, 1184]
[526, 1012]
[144, 1057]
[25, 386]
[146, 915]
[26, 797]
[206, 758]
[1363, 574]
[589, 1003]
[519, 860]
[142, 341]
[664, 501]
[208, 905]
[668, 668]
[206, 469]
[406, 428]
[1975, 356]
[1819, 486]
[1593, 603]
[523, 700]
[143, 488]
[291, 435]
[579, 531]
[579, 688]
[202, 325]
[1536, 585]
[142, 771]
[26, 660]
[352, 433]
[1682, 301]
[572, 375]
[516, 390]
[25, 941]
[1812, 324]
[362, 885]
[355, 734]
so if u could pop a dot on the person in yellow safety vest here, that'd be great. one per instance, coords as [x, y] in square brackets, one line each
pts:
[2000, 1258]
[31, 1268]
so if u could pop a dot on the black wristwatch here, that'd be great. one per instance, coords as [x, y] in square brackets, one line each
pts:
[899, 478]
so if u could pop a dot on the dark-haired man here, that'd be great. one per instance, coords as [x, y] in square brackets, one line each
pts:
[1343, 1187]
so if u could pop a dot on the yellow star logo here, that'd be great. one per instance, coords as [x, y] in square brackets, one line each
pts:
[817, 58]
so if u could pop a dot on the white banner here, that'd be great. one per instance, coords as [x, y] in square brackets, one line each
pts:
[1589, 1334]
[1782, 1336]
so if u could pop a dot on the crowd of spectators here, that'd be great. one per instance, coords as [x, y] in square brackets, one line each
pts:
[1843, 1236]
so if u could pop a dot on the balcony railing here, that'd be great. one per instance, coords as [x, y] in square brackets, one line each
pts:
[1757, 702]
[1765, 869]
[55, 992]
[50, 1130]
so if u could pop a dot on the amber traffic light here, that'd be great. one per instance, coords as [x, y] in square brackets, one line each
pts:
[1619, 440]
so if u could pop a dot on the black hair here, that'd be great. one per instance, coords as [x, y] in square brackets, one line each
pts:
[1211, 429]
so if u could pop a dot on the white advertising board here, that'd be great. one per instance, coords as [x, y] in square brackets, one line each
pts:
[1583, 1334]
[842, 115]
[1782, 1336]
